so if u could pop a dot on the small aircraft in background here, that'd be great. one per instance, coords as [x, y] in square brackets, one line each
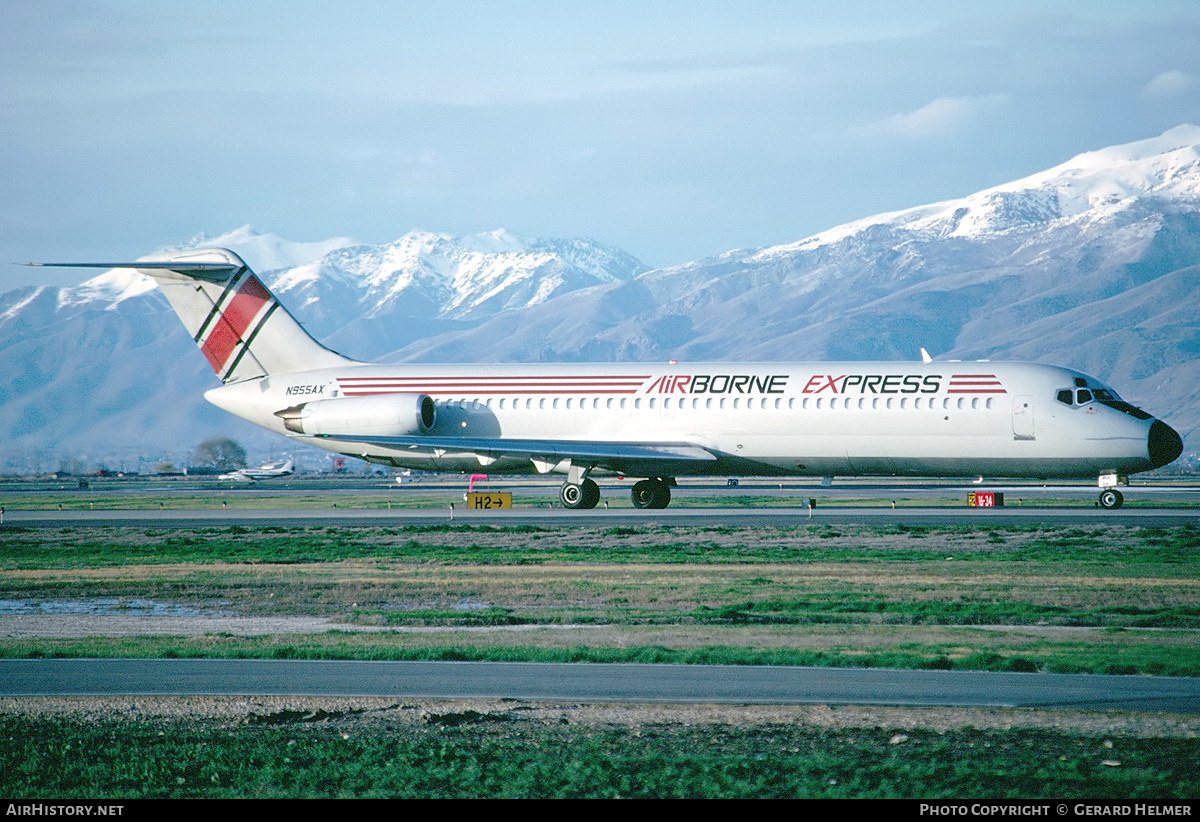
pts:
[268, 471]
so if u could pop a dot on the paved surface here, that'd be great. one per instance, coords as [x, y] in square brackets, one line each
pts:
[594, 683]
[1159, 504]
[250, 517]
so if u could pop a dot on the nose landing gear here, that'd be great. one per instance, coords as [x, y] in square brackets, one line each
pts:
[1110, 498]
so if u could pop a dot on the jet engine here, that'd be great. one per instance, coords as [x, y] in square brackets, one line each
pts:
[383, 415]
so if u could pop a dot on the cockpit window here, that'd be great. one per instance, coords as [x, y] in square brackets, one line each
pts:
[1126, 408]
[1082, 396]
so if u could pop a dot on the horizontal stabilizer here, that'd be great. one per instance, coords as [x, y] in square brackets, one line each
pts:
[190, 269]
[236, 322]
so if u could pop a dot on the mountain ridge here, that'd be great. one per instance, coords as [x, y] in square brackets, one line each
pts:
[1090, 264]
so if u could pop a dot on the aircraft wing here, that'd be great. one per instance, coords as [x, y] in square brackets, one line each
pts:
[637, 458]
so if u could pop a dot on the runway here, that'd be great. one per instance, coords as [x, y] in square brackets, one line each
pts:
[325, 501]
[681, 516]
[589, 682]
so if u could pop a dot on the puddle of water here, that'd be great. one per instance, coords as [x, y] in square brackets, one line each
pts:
[100, 607]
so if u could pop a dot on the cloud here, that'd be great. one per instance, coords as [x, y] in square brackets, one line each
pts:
[1169, 84]
[943, 117]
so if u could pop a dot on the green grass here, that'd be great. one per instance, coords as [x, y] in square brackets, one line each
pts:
[483, 755]
[1103, 598]
[69, 547]
[969, 654]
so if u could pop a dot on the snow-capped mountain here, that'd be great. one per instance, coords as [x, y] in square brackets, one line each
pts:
[1091, 264]
[89, 369]
[368, 300]
[268, 252]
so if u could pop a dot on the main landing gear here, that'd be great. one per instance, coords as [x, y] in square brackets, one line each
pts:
[652, 493]
[585, 494]
[579, 495]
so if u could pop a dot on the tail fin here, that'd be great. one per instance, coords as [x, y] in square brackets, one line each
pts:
[241, 328]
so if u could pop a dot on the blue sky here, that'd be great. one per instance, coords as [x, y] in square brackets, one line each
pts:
[673, 130]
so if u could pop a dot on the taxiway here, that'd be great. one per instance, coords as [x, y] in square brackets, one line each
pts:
[592, 682]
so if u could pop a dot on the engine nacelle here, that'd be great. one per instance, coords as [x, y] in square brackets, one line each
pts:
[380, 415]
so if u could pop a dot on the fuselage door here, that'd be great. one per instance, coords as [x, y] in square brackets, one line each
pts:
[1022, 418]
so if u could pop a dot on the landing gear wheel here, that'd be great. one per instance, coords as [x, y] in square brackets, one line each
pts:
[651, 493]
[1111, 499]
[579, 496]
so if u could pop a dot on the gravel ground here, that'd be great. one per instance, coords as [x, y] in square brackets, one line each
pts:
[37, 625]
[380, 713]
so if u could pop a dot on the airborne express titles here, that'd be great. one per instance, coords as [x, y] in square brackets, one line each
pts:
[777, 384]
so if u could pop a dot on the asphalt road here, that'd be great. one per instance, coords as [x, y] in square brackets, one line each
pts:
[573, 682]
[252, 517]
[1160, 504]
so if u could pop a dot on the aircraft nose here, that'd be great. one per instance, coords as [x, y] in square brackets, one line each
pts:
[1164, 444]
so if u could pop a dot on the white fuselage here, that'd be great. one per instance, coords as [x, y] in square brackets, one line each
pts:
[881, 418]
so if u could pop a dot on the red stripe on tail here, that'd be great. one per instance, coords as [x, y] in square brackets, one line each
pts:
[231, 327]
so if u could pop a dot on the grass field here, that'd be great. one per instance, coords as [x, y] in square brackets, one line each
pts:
[468, 754]
[1105, 598]
[1097, 598]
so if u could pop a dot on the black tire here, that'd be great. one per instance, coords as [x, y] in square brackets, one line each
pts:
[1111, 499]
[591, 493]
[581, 496]
[651, 493]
